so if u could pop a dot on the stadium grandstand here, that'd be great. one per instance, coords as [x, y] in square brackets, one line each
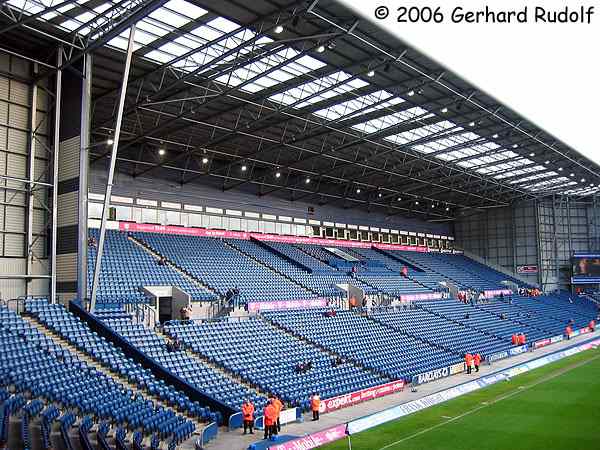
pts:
[211, 204]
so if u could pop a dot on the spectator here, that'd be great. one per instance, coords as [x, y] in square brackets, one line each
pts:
[477, 361]
[186, 313]
[404, 272]
[592, 325]
[270, 418]
[248, 415]
[568, 331]
[315, 404]
[176, 344]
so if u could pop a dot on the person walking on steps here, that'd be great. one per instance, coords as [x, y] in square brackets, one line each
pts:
[248, 415]
[315, 404]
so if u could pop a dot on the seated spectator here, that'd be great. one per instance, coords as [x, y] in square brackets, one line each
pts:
[404, 272]
[186, 313]
[162, 261]
[92, 242]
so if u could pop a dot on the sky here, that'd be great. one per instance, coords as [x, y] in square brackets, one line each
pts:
[549, 73]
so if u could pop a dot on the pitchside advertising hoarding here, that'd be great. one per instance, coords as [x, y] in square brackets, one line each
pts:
[313, 440]
[436, 374]
[344, 401]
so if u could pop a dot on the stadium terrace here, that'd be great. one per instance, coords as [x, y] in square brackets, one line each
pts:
[239, 225]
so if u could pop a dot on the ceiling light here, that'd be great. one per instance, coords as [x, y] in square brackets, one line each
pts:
[583, 180]
[411, 93]
[161, 151]
[447, 208]
[547, 162]
[444, 110]
[560, 169]
[592, 184]
[205, 160]
[472, 124]
[320, 49]
[278, 29]
[380, 195]
[515, 145]
[244, 168]
[432, 205]
[532, 154]
[371, 73]
[572, 175]
[307, 180]
[358, 191]
[416, 203]
[110, 141]
[399, 199]
[495, 136]
[277, 174]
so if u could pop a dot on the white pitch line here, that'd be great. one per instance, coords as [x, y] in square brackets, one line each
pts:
[520, 390]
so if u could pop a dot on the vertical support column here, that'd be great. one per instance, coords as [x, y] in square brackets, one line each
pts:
[111, 170]
[84, 154]
[539, 243]
[57, 109]
[31, 178]
[71, 252]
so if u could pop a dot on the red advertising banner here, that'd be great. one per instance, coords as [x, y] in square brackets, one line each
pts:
[203, 232]
[313, 440]
[344, 401]
[542, 343]
[527, 269]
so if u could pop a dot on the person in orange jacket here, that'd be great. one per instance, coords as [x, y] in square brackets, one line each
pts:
[477, 359]
[468, 361]
[315, 404]
[522, 339]
[568, 331]
[278, 407]
[513, 339]
[270, 416]
[248, 416]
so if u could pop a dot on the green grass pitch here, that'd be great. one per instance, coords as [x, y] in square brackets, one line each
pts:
[555, 407]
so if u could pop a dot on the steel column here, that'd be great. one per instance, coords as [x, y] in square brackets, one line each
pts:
[84, 153]
[111, 171]
[57, 105]
[31, 178]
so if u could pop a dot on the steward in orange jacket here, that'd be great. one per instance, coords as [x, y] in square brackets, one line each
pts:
[477, 359]
[270, 418]
[513, 339]
[278, 407]
[568, 331]
[248, 415]
[315, 405]
[468, 361]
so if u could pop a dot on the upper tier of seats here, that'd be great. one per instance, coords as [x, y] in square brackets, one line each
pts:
[267, 357]
[126, 268]
[221, 267]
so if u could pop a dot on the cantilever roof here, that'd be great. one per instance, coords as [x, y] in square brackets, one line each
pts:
[326, 108]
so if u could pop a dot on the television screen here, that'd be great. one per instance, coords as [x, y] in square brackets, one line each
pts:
[586, 266]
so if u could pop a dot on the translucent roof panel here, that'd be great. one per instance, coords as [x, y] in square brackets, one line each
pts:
[419, 133]
[319, 89]
[537, 176]
[391, 120]
[195, 43]
[301, 66]
[359, 105]
[441, 144]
